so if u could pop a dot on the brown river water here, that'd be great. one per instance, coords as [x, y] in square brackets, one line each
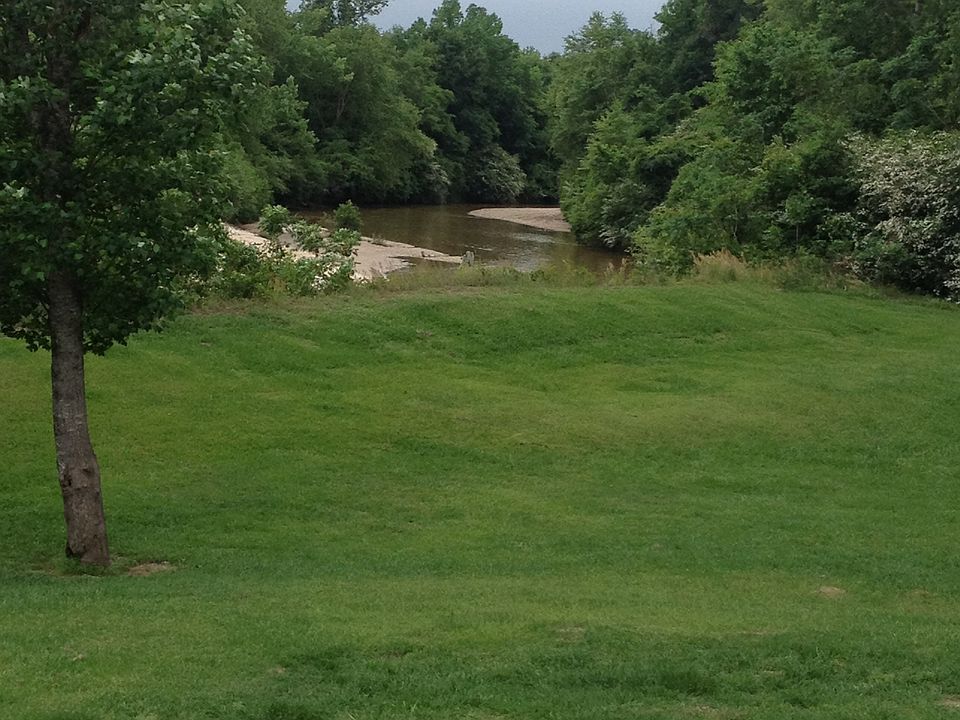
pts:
[451, 230]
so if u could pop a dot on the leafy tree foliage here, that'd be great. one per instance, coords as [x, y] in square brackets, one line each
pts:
[448, 108]
[370, 143]
[744, 144]
[689, 33]
[605, 65]
[345, 13]
[621, 92]
[271, 150]
[489, 117]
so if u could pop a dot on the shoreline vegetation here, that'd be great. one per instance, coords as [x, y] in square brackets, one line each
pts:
[765, 132]
[374, 258]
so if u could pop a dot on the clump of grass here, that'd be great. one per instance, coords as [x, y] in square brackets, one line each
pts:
[433, 276]
[721, 266]
[800, 272]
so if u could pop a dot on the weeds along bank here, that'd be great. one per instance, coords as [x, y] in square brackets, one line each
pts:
[253, 266]
[540, 500]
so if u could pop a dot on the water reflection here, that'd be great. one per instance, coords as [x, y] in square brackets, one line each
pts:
[450, 229]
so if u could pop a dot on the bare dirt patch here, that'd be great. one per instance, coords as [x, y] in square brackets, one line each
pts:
[950, 701]
[150, 568]
[572, 633]
[709, 711]
[542, 218]
[830, 592]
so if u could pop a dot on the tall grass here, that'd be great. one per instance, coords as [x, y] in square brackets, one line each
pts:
[802, 272]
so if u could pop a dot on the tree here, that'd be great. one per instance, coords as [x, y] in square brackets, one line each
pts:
[370, 143]
[606, 64]
[272, 153]
[497, 97]
[689, 33]
[609, 113]
[110, 122]
[344, 13]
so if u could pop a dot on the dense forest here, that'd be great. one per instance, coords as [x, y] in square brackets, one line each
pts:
[770, 128]
[449, 109]
[822, 128]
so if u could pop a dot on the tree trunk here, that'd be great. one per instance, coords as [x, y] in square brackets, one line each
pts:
[77, 464]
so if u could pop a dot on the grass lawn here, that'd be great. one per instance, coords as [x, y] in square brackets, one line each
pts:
[684, 501]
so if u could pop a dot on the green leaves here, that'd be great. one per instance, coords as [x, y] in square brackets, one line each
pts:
[112, 149]
[909, 211]
[753, 157]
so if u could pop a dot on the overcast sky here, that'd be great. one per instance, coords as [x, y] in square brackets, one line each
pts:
[542, 24]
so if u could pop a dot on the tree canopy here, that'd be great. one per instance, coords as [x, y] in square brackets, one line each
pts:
[84, 192]
[755, 127]
[449, 108]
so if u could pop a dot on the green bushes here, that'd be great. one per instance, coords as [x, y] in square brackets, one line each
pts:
[245, 271]
[908, 219]
[333, 260]
[347, 217]
[274, 219]
[296, 258]
[242, 272]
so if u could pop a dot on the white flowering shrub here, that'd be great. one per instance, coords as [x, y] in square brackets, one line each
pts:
[334, 253]
[909, 217]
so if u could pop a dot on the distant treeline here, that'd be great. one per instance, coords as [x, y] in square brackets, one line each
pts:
[449, 109]
[770, 128]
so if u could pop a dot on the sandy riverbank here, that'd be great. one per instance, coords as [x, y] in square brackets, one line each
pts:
[375, 258]
[542, 218]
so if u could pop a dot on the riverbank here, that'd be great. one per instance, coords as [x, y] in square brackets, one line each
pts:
[374, 259]
[550, 219]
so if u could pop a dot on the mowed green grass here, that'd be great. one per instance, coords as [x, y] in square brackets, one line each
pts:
[566, 503]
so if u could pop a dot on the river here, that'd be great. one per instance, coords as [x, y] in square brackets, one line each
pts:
[451, 230]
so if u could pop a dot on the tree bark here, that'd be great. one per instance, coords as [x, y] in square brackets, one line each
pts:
[76, 462]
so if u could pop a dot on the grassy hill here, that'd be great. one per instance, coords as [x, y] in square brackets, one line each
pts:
[683, 501]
